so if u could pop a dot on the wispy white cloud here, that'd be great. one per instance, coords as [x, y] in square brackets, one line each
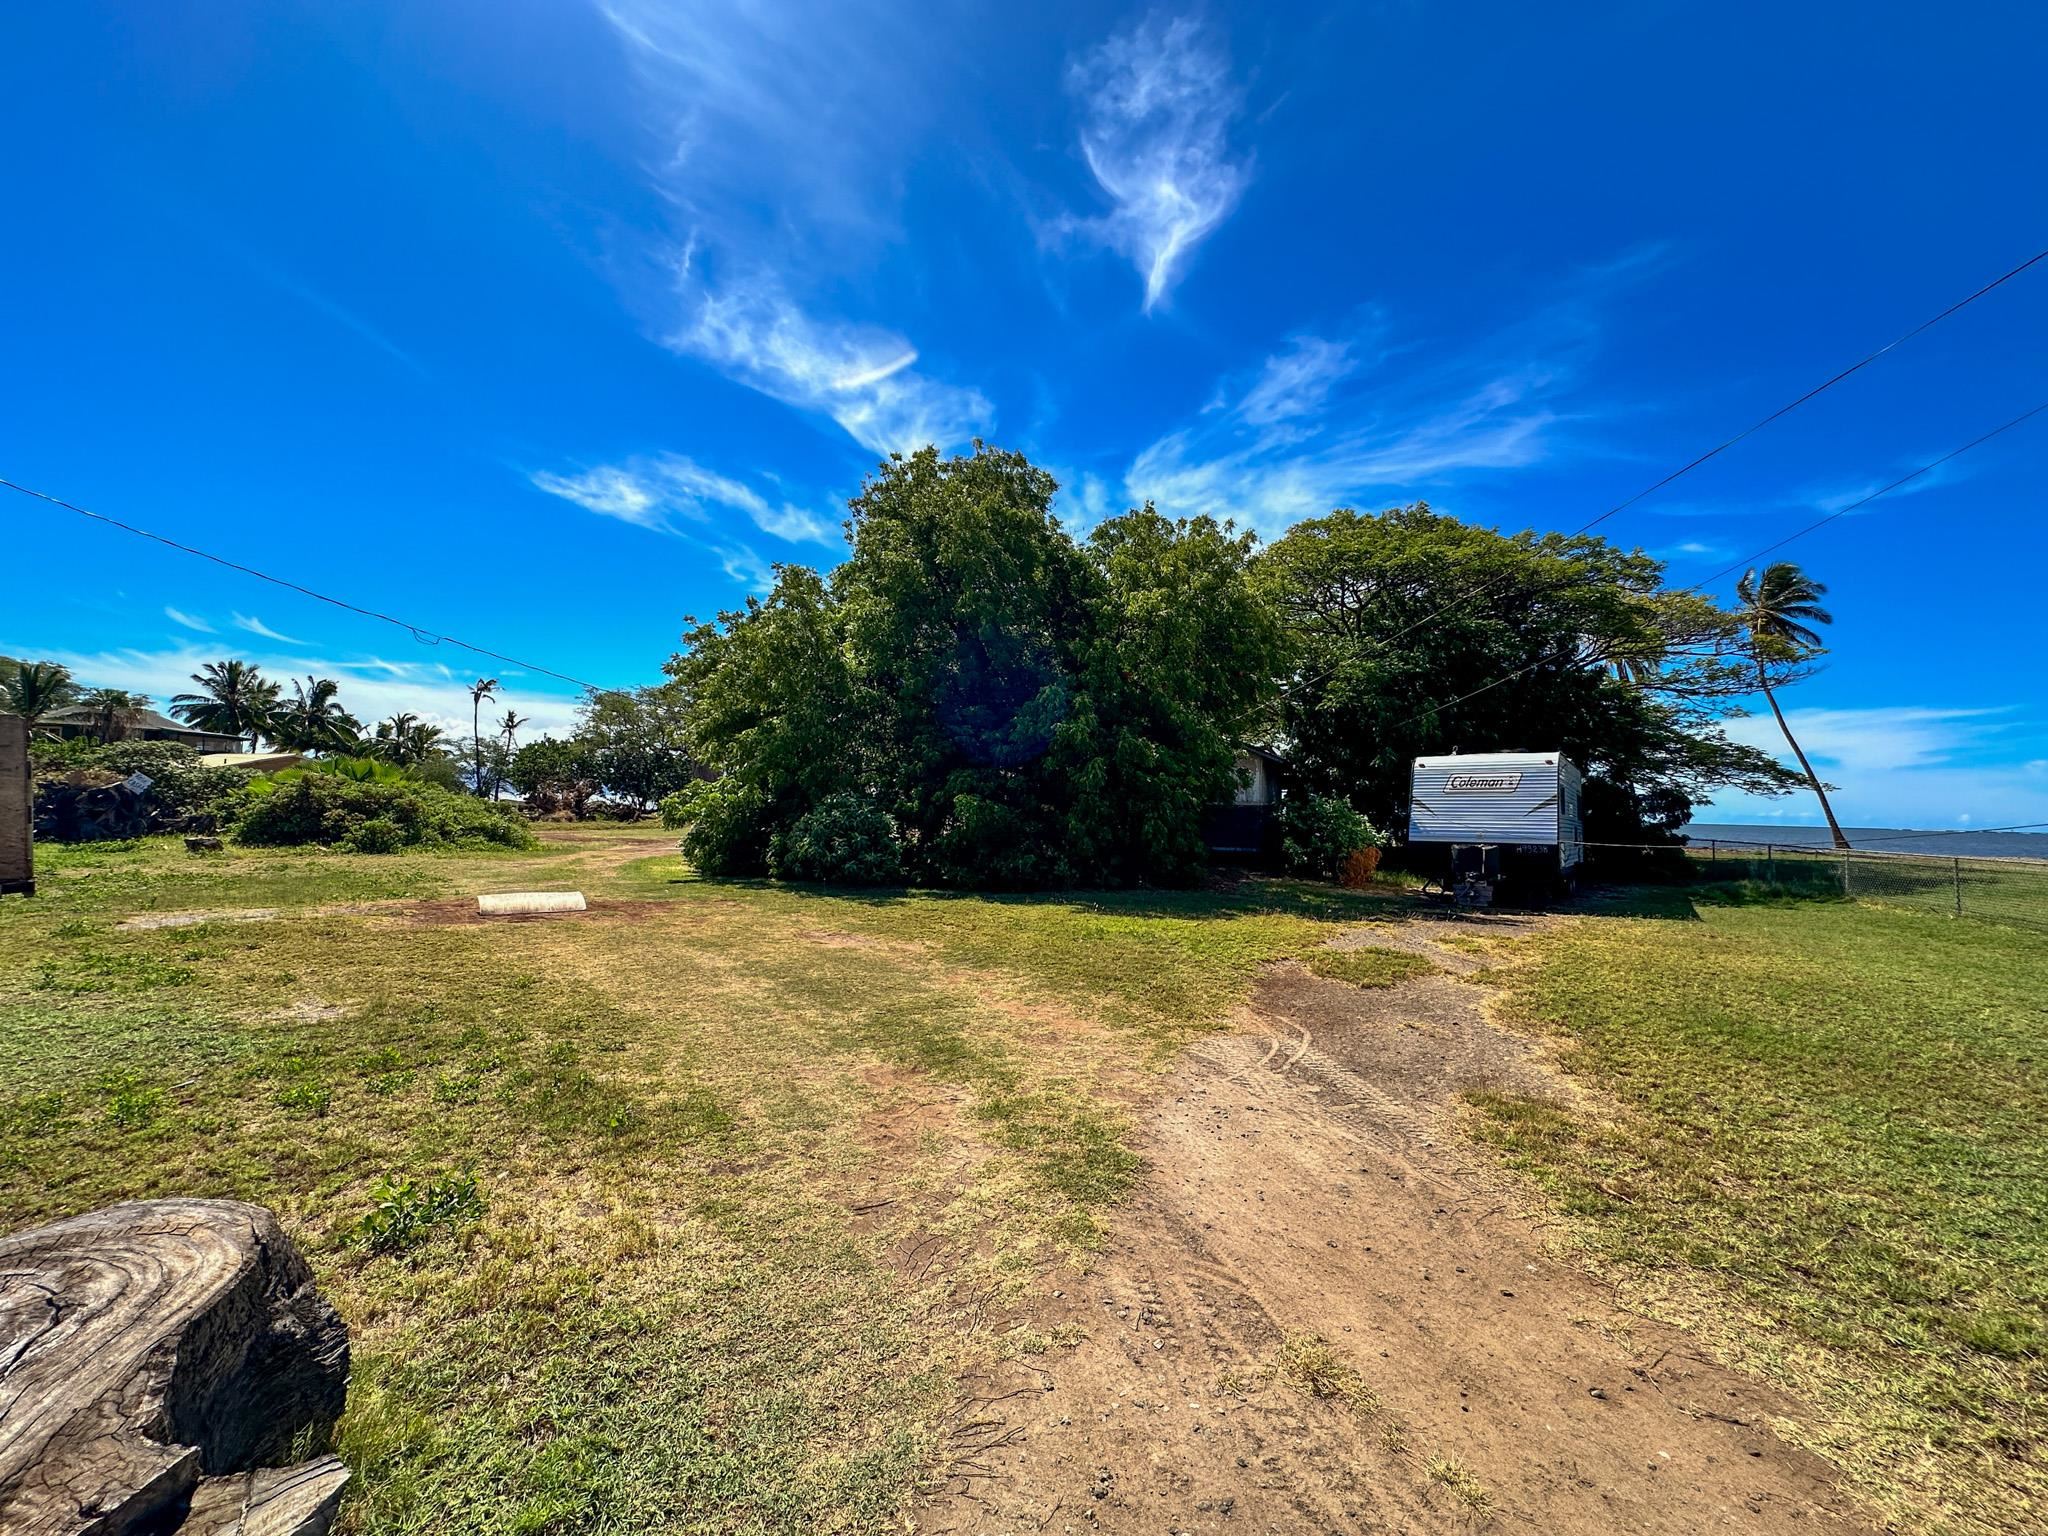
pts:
[1156, 106]
[346, 318]
[862, 377]
[372, 689]
[1296, 381]
[746, 567]
[256, 626]
[652, 492]
[784, 94]
[1902, 765]
[178, 616]
[785, 151]
[1271, 471]
[609, 493]
[1863, 743]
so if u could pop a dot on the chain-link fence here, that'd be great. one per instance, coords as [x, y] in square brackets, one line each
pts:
[2000, 890]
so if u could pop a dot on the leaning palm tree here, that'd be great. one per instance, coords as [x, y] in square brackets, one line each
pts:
[312, 720]
[483, 688]
[1779, 607]
[114, 712]
[33, 689]
[234, 699]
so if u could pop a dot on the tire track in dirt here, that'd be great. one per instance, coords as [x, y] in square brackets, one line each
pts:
[1305, 1178]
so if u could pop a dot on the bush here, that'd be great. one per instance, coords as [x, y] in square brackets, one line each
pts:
[184, 794]
[725, 828]
[380, 834]
[370, 817]
[1318, 833]
[404, 1212]
[675, 809]
[843, 840]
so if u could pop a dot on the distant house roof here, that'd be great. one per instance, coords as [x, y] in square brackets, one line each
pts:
[140, 722]
[1266, 752]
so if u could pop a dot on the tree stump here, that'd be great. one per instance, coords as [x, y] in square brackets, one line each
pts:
[158, 1361]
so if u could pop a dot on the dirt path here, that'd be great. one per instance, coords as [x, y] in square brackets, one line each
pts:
[1306, 1183]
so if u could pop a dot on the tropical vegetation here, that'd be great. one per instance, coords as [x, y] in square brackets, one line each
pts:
[1779, 607]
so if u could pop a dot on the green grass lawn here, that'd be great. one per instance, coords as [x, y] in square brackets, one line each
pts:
[1820, 1131]
[705, 1129]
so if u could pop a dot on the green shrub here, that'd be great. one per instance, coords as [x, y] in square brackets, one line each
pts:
[306, 1098]
[370, 816]
[379, 834]
[184, 794]
[1318, 832]
[675, 810]
[726, 828]
[404, 1212]
[843, 840]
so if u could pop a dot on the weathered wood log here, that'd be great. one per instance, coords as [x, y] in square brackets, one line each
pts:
[158, 1360]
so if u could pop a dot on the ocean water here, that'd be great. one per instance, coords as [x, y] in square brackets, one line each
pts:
[1947, 844]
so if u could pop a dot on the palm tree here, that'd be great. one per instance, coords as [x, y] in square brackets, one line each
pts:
[113, 712]
[234, 699]
[33, 689]
[1779, 608]
[508, 732]
[406, 739]
[483, 688]
[313, 720]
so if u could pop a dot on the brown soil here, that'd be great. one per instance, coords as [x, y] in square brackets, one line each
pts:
[1307, 1179]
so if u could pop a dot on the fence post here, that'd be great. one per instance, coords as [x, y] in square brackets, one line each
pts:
[1959, 887]
[1770, 865]
[1845, 872]
[1713, 850]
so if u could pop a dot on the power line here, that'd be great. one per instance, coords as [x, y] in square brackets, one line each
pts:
[1546, 660]
[424, 636]
[1756, 426]
[1863, 501]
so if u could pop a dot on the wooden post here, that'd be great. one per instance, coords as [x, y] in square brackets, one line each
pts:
[1845, 872]
[1770, 865]
[17, 809]
[1959, 887]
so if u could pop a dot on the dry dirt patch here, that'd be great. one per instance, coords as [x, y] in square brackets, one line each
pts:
[1308, 1195]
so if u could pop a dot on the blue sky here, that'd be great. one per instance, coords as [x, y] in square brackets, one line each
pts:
[547, 325]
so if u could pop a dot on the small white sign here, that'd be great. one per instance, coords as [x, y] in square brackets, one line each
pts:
[1490, 783]
[136, 783]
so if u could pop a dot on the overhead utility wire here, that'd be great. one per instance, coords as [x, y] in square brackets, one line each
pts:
[1932, 464]
[424, 636]
[1756, 426]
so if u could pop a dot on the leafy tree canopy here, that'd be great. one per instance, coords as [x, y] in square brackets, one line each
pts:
[1027, 710]
[1414, 633]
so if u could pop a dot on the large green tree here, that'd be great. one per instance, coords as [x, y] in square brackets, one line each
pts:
[234, 699]
[1026, 710]
[1779, 607]
[1415, 633]
[635, 741]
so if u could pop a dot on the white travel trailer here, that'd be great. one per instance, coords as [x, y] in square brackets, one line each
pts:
[1506, 815]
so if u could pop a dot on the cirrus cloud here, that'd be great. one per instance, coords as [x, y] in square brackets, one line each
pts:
[1156, 104]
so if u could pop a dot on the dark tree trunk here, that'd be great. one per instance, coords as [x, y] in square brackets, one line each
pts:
[1834, 827]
